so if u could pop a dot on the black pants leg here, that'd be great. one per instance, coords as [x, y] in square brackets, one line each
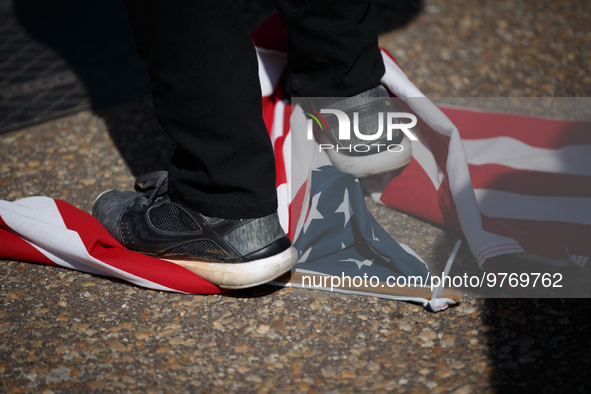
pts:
[332, 47]
[207, 97]
[204, 80]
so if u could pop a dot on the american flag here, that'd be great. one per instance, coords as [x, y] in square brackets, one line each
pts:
[509, 183]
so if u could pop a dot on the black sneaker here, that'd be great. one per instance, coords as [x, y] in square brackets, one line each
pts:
[231, 253]
[359, 157]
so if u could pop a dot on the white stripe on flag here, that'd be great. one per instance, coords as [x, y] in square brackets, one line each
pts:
[506, 151]
[287, 158]
[277, 129]
[283, 206]
[397, 81]
[271, 65]
[67, 262]
[423, 155]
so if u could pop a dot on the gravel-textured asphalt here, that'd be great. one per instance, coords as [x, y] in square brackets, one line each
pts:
[63, 331]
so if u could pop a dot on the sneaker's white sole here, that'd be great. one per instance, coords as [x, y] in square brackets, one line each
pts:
[364, 166]
[242, 275]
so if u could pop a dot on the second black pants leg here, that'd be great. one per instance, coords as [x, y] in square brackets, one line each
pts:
[332, 47]
[204, 80]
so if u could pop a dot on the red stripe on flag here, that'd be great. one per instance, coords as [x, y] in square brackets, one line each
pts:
[448, 207]
[102, 246]
[281, 176]
[575, 237]
[269, 111]
[412, 191]
[534, 243]
[270, 34]
[13, 247]
[536, 132]
[436, 142]
[295, 209]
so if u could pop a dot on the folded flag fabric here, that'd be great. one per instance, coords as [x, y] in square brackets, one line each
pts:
[48, 231]
[342, 248]
[511, 184]
[340, 235]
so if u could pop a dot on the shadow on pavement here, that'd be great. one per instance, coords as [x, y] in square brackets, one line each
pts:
[536, 345]
[66, 56]
[539, 345]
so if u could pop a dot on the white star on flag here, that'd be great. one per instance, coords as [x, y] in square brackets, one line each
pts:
[314, 213]
[345, 207]
[373, 235]
[360, 263]
[304, 256]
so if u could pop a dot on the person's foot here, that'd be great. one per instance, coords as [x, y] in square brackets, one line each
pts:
[364, 158]
[231, 253]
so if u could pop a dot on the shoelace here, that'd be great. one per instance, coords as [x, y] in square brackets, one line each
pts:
[152, 185]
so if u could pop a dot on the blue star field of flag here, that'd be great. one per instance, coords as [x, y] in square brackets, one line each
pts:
[341, 237]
